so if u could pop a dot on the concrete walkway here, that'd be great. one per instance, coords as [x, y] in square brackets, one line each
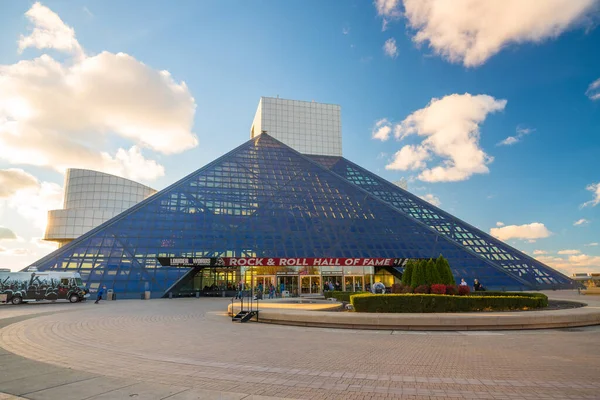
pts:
[186, 348]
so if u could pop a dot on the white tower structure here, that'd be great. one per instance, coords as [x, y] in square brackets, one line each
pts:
[308, 127]
[91, 198]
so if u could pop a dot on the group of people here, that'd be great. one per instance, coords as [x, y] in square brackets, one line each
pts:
[329, 285]
[477, 286]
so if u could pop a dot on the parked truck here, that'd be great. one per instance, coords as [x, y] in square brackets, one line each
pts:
[19, 287]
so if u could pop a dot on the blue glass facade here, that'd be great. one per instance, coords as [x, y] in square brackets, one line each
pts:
[265, 199]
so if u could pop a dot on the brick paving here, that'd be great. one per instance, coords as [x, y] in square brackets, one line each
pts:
[190, 344]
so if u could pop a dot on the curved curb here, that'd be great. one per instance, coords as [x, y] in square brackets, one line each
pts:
[584, 316]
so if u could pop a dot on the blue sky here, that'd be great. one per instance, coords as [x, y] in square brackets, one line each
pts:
[534, 82]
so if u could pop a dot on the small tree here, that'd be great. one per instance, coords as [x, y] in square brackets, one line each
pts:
[419, 272]
[408, 271]
[433, 275]
[444, 271]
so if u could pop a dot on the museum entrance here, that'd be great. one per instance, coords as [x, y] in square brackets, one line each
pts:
[310, 284]
[287, 285]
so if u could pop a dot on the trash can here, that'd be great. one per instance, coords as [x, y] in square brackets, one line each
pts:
[197, 295]
[147, 295]
[109, 294]
[170, 295]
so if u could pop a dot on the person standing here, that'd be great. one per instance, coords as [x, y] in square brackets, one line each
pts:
[240, 290]
[100, 294]
[463, 282]
[271, 291]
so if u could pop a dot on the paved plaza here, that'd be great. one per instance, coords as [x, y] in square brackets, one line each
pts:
[188, 349]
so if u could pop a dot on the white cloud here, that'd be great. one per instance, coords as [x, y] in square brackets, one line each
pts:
[530, 232]
[7, 234]
[499, 224]
[49, 32]
[15, 252]
[390, 49]
[472, 31]
[44, 244]
[345, 30]
[592, 244]
[389, 10]
[539, 252]
[450, 126]
[432, 199]
[508, 141]
[595, 189]
[580, 222]
[14, 179]
[521, 131]
[29, 197]
[382, 130]
[568, 252]
[593, 91]
[409, 158]
[60, 114]
[573, 263]
[33, 203]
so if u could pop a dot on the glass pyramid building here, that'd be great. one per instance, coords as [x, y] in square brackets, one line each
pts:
[265, 199]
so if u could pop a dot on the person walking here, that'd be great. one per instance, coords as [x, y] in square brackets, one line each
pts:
[100, 294]
[271, 291]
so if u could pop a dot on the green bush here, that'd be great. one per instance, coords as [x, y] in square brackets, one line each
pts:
[444, 271]
[419, 274]
[424, 303]
[433, 275]
[408, 271]
[541, 298]
[341, 296]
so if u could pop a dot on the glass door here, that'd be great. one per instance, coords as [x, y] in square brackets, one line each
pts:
[332, 282]
[310, 284]
[288, 284]
[353, 283]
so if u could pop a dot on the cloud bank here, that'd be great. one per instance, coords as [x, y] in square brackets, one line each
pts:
[472, 31]
[450, 128]
[61, 114]
[531, 232]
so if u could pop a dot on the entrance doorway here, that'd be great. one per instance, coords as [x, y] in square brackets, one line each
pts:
[310, 284]
[287, 283]
[266, 281]
[336, 281]
[353, 283]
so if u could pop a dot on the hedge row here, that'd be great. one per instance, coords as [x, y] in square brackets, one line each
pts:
[542, 298]
[424, 303]
[341, 296]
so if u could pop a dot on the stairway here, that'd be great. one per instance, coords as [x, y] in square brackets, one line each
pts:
[244, 316]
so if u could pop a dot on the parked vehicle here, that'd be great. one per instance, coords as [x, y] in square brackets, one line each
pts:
[19, 287]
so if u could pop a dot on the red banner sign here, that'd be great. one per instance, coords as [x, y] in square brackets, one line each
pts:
[277, 261]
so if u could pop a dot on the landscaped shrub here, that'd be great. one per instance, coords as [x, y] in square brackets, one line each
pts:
[433, 275]
[420, 303]
[444, 271]
[407, 274]
[463, 290]
[423, 289]
[397, 288]
[419, 274]
[540, 297]
[438, 288]
[451, 290]
[341, 296]
[407, 289]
